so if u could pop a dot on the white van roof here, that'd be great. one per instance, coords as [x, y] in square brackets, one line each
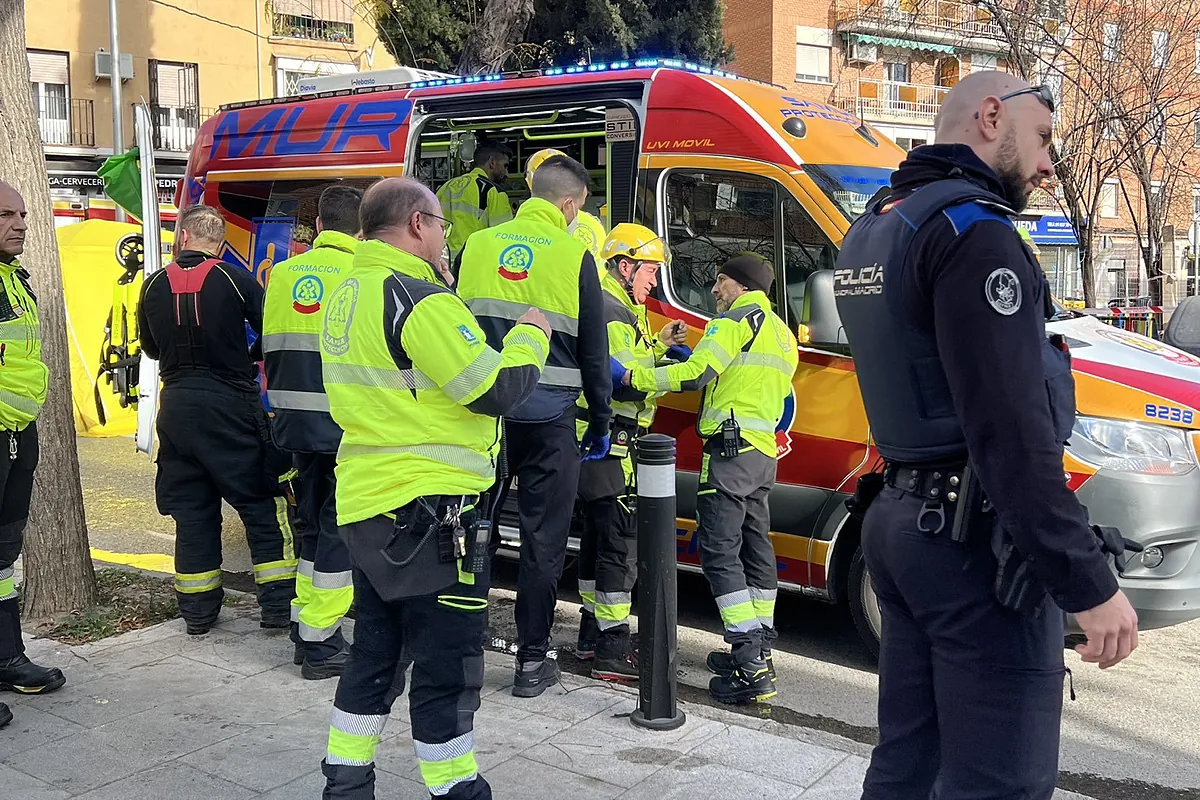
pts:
[356, 80]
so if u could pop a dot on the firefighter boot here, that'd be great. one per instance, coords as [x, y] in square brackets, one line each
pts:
[330, 667]
[21, 675]
[534, 677]
[589, 633]
[616, 660]
[5, 715]
[749, 683]
[722, 663]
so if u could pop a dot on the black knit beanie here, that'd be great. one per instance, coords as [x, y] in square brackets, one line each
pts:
[750, 270]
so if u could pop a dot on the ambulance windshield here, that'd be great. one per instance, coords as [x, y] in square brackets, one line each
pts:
[850, 188]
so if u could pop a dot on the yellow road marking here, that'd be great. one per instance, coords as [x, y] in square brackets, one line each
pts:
[155, 562]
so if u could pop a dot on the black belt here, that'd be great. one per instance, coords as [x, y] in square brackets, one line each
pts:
[935, 485]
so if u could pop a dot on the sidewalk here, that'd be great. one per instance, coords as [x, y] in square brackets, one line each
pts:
[158, 714]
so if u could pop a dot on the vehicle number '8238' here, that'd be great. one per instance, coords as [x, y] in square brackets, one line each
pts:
[1169, 414]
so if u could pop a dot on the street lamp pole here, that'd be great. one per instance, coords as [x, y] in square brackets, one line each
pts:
[114, 79]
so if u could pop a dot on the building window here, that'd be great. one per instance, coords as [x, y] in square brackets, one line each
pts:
[1108, 118]
[981, 62]
[1158, 50]
[49, 79]
[175, 104]
[1198, 52]
[1158, 124]
[814, 51]
[317, 20]
[1112, 41]
[289, 72]
[1156, 197]
[1108, 200]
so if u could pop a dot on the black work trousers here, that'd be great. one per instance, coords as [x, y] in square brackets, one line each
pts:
[213, 446]
[544, 457]
[970, 693]
[18, 460]
[441, 635]
[324, 587]
[607, 548]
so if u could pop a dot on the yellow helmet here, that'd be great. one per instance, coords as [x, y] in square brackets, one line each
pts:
[636, 242]
[536, 160]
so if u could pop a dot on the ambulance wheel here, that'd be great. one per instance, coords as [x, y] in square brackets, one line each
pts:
[864, 605]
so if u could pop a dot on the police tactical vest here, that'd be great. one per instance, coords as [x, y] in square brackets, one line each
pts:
[296, 295]
[904, 386]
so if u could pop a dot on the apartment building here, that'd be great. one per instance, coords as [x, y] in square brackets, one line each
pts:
[892, 61]
[184, 58]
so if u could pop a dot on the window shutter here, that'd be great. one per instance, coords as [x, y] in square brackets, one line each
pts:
[174, 89]
[48, 67]
[328, 10]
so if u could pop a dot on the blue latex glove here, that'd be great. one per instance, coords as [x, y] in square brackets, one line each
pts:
[593, 447]
[618, 372]
[679, 352]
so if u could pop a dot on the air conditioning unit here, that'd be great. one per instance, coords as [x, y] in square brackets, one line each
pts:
[104, 66]
[862, 53]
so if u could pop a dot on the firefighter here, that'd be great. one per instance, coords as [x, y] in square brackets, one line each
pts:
[214, 443]
[418, 393]
[476, 200]
[633, 255]
[753, 353]
[586, 228]
[534, 261]
[23, 383]
[301, 425]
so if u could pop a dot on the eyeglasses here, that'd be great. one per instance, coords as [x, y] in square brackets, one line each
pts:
[447, 225]
[1043, 93]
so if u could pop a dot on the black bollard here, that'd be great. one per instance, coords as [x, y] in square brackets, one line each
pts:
[658, 614]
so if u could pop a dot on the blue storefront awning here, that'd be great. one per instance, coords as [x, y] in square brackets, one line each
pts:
[903, 44]
[1052, 229]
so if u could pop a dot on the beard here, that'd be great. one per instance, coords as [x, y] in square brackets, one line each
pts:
[1017, 187]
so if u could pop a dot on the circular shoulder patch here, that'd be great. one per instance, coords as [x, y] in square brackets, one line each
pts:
[1003, 291]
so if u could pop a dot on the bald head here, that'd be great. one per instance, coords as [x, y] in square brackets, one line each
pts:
[12, 223]
[405, 214]
[1010, 135]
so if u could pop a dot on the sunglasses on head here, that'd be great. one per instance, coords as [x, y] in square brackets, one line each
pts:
[1043, 94]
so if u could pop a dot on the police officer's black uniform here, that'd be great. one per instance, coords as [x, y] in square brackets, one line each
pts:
[213, 437]
[945, 309]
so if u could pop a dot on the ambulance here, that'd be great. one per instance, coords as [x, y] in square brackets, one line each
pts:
[717, 165]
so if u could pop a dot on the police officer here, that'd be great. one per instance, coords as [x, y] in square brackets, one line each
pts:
[586, 228]
[475, 201]
[212, 428]
[23, 382]
[975, 544]
[745, 363]
[534, 261]
[301, 424]
[608, 545]
[418, 394]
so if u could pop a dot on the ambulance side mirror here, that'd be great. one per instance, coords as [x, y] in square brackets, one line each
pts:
[1183, 329]
[820, 322]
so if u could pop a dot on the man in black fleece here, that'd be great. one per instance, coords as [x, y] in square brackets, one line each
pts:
[945, 308]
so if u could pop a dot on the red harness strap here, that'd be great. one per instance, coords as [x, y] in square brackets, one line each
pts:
[189, 282]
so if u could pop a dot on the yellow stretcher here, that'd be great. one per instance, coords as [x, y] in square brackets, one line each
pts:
[101, 321]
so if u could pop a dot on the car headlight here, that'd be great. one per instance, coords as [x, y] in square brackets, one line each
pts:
[1139, 447]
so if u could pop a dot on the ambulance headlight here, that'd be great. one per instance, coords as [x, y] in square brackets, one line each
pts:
[1138, 447]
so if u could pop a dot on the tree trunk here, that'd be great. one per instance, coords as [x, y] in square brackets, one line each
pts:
[501, 26]
[57, 562]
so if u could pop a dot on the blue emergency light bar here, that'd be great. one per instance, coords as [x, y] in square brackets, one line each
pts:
[549, 72]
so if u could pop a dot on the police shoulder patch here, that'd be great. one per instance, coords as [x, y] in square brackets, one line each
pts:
[1003, 291]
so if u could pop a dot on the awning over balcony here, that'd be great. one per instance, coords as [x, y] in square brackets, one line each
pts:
[902, 44]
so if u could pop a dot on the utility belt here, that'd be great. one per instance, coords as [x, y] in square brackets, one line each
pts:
[432, 543]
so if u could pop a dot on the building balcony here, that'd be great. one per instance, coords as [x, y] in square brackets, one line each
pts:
[68, 123]
[313, 20]
[945, 22]
[891, 101]
[175, 128]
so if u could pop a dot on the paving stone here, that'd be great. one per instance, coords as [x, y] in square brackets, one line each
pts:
[532, 780]
[570, 705]
[32, 728]
[265, 757]
[79, 763]
[695, 778]
[175, 780]
[265, 697]
[843, 781]
[242, 625]
[131, 691]
[694, 732]
[25, 787]
[585, 751]
[308, 786]
[245, 655]
[771, 756]
[165, 733]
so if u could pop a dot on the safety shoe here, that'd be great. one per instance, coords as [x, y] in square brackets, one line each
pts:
[621, 668]
[722, 663]
[749, 683]
[23, 676]
[5, 715]
[589, 633]
[275, 621]
[199, 628]
[533, 678]
[298, 653]
[331, 667]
